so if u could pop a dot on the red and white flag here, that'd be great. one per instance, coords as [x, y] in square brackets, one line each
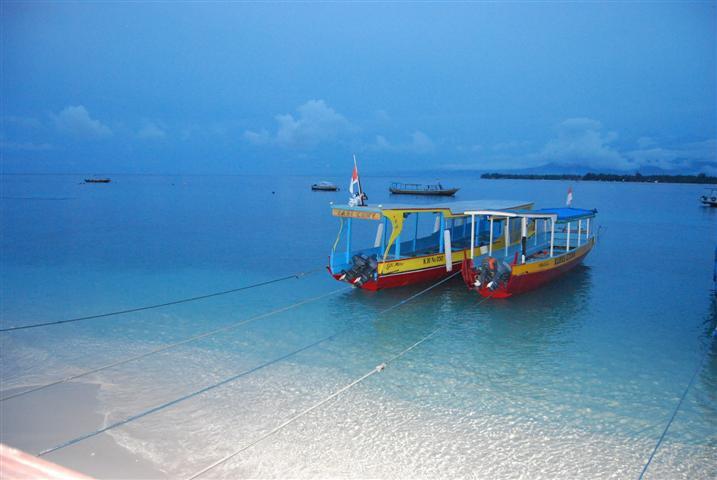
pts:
[354, 181]
[569, 200]
[357, 197]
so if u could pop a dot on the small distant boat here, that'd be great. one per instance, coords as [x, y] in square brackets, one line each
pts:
[324, 187]
[710, 197]
[421, 189]
[560, 245]
[97, 180]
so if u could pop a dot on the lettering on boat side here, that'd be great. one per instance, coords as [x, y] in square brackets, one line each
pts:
[564, 258]
[391, 267]
[434, 259]
[357, 214]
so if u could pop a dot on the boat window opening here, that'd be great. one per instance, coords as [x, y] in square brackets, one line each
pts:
[418, 236]
[380, 237]
[356, 236]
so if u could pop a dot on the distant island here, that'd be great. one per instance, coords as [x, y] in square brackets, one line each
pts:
[607, 177]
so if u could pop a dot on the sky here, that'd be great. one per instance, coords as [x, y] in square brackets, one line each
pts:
[297, 88]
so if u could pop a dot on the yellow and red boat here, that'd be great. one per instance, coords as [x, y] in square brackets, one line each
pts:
[562, 243]
[414, 243]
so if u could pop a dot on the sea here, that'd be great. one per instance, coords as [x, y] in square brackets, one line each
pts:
[578, 379]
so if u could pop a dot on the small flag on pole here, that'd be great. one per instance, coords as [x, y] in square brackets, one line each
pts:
[357, 197]
[569, 200]
[354, 180]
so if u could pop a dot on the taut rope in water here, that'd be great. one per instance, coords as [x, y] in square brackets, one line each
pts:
[173, 345]
[159, 305]
[677, 408]
[379, 368]
[232, 378]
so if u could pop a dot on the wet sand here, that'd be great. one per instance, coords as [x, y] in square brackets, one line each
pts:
[44, 419]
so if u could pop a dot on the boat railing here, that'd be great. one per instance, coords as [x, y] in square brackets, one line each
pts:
[563, 234]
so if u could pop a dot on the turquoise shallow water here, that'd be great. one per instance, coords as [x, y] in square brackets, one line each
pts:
[577, 379]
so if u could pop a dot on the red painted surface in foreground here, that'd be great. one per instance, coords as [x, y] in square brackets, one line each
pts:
[16, 465]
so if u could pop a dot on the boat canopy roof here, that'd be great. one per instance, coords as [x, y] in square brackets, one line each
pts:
[449, 209]
[568, 214]
[558, 215]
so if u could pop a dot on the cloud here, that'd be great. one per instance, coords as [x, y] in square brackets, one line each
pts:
[76, 121]
[151, 131]
[582, 142]
[257, 138]
[688, 156]
[314, 123]
[420, 143]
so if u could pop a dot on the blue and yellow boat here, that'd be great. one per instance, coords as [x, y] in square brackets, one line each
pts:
[413, 243]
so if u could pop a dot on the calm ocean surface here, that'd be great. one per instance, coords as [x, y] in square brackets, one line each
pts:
[575, 380]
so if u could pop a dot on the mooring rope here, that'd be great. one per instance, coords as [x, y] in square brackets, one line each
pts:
[173, 345]
[377, 369]
[677, 407]
[159, 305]
[227, 380]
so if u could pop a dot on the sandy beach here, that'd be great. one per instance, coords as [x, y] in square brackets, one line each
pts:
[39, 421]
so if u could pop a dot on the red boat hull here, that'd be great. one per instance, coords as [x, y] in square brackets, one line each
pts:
[520, 283]
[403, 279]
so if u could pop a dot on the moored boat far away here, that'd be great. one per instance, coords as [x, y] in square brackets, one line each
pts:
[324, 187]
[709, 198]
[413, 243]
[421, 189]
[563, 242]
[97, 180]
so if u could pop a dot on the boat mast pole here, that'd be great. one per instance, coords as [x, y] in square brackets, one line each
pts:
[552, 235]
[358, 179]
[473, 234]
[348, 239]
[580, 230]
[587, 230]
[524, 237]
[490, 242]
[567, 248]
[507, 235]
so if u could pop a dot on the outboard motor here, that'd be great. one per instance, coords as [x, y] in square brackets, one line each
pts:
[362, 270]
[492, 273]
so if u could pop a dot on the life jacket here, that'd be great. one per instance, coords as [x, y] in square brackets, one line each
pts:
[492, 263]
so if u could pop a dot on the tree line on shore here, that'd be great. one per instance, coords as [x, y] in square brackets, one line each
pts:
[606, 177]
